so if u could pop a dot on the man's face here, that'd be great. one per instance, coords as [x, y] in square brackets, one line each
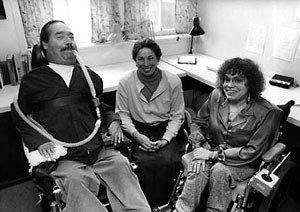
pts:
[59, 48]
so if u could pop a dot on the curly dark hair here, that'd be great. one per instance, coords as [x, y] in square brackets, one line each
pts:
[146, 43]
[246, 68]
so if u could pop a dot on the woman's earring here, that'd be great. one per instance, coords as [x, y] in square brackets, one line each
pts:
[248, 99]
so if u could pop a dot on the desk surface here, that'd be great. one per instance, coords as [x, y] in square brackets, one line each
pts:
[109, 73]
[204, 71]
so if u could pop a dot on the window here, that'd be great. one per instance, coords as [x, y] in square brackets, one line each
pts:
[78, 17]
[2, 11]
[162, 14]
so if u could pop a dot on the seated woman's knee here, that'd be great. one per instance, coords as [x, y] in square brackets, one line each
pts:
[219, 171]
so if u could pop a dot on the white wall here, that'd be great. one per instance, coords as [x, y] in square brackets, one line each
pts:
[12, 38]
[227, 23]
[104, 54]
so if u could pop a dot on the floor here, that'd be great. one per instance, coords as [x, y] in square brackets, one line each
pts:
[289, 205]
[23, 198]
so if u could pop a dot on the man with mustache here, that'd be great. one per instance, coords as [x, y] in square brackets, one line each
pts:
[58, 97]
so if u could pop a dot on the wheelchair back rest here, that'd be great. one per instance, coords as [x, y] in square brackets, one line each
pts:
[37, 58]
[189, 115]
[286, 110]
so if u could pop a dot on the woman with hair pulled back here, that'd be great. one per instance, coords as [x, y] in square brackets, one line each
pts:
[151, 106]
[238, 126]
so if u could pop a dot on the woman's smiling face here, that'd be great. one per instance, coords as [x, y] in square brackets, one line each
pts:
[235, 87]
[146, 61]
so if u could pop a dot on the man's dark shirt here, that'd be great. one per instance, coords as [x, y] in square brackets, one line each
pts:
[69, 123]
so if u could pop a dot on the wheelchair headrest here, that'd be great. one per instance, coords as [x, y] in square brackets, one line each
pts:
[37, 58]
[286, 109]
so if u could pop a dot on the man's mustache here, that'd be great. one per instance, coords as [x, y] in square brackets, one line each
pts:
[69, 48]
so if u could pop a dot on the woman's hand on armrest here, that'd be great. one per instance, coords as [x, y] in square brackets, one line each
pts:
[201, 154]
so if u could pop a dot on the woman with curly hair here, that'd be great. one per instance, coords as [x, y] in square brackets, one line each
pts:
[236, 126]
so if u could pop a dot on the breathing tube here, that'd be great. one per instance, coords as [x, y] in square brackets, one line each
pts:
[35, 125]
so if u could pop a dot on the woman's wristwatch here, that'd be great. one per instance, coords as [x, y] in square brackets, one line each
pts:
[217, 156]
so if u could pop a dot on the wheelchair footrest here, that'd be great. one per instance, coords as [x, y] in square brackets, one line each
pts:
[264, 182]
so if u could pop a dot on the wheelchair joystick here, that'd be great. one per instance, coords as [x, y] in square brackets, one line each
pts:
[266, 177]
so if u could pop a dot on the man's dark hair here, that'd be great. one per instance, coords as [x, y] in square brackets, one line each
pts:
[146, 43]
[45, 33]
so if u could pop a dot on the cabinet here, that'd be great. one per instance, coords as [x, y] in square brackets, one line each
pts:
[13, 163]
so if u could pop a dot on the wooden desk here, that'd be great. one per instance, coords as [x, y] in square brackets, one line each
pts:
[205, 71]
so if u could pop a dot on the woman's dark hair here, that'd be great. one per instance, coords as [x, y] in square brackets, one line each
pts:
[246, 68]
[146, 43]
[45, 33]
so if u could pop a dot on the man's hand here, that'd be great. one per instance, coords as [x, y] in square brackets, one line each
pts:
[47, 150]
[116, 133]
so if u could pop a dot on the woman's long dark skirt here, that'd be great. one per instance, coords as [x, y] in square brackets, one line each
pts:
[158, 170]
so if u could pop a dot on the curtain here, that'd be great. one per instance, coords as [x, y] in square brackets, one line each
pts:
[104, 14]
[185, 11]
[136, 12]
[34, 14]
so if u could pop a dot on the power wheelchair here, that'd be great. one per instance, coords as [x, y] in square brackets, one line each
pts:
[50, 194]
[264, 190]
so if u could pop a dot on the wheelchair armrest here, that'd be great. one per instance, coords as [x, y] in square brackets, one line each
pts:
[273, 152]
[44, 169]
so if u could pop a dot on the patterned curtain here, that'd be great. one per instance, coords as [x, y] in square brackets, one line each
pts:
[136, 12]
[185, 11]
[104, 14]
[34, 14]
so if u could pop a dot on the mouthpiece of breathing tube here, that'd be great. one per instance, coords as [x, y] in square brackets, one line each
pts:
[36, 126]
